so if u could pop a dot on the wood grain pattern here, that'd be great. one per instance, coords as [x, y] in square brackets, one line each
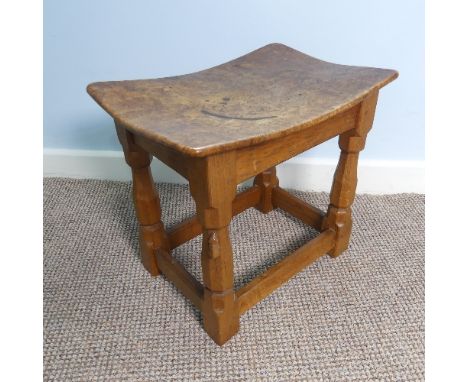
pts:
[257, 158]
[213, 187]
[152, 234]
[266, 94]
[168, 156]
[339, 216]
[191, 227]
[266, 181]
[224, 125]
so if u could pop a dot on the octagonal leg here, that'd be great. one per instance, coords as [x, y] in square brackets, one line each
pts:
[267, 181]
[146, 200]
[213, 186]
[344, 185]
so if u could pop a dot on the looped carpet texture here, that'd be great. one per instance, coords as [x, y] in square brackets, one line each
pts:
[359, 317]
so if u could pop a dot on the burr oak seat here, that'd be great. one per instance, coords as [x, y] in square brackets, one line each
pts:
[263, 95]
[221, 126]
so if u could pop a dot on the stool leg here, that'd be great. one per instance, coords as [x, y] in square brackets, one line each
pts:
[267, 180]
[146, 200]
[213, 186]
[344, 185]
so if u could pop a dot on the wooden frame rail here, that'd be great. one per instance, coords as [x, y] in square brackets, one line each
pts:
[301, 210]
[263, 285]
[278, 274]
[180, 277]
[260, 287]
[191, 227]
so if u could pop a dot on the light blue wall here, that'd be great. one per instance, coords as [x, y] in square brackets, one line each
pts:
[97, 40]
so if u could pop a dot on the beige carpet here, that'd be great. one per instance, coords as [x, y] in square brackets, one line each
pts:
[359, 317]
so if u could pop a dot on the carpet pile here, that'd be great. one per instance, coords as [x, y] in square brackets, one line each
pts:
[359, 317]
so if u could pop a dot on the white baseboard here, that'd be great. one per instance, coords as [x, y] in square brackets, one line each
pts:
[307, 174]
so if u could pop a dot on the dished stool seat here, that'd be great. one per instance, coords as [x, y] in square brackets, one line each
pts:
[224, 125]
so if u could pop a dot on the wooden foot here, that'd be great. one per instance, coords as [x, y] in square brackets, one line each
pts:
[146, 200]
[338, 217]
[213, 186]
[267, 181]
[220, 309]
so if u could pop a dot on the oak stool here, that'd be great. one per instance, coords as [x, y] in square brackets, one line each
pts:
[221, 126]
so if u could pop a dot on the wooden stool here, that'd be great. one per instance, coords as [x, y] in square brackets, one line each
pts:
[222, 126]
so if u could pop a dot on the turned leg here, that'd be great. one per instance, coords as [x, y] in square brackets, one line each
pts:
[267, 180]
[213, 186]
[344, 185]
[146, 200]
